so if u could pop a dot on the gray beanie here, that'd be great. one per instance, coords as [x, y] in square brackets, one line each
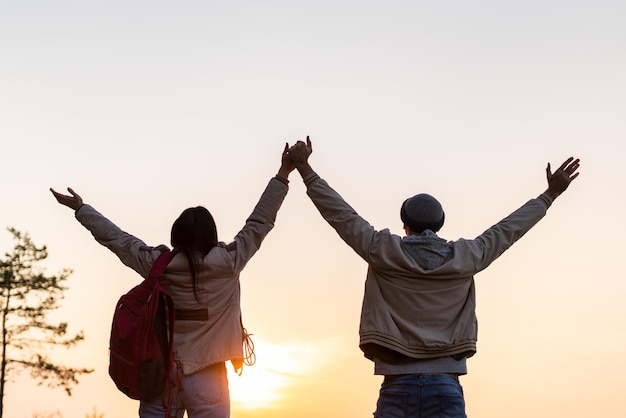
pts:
[422, 212]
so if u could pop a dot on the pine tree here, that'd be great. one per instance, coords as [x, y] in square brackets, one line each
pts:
[27, 295]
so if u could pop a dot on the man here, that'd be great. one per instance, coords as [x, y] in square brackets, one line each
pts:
[418, 321]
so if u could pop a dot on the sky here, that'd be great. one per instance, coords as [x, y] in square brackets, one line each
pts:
[146, 108]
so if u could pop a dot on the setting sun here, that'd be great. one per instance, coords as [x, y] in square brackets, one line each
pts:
[277, 367]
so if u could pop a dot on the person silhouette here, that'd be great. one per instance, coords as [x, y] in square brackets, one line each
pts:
[203, 280]
[418, 321]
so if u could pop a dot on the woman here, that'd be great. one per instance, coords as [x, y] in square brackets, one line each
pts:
[203, 279]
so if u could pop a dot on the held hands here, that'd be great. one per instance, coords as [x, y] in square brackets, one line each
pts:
[299, 154]
[559, 181]
[294, 157]
[73, 202]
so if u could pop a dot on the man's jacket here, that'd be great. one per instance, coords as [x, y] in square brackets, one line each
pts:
[409, 310]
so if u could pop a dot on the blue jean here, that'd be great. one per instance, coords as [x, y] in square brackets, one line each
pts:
[204, 394]
[420, 396]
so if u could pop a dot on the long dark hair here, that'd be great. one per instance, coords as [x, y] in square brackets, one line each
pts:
[194, 232]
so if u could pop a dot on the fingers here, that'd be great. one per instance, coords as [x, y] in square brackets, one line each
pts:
[75, 195]
[568, 167]
[301, 145]
[565, 163]
[69, 189]
[55, 194]
[58, 195]
[573, 166]
[308, 144]
[74, 201]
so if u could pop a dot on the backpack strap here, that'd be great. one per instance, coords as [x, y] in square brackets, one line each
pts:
[156, 271]
[160, 264]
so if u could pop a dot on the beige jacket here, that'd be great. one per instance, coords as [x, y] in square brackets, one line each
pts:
[409, 310]
[198, 344]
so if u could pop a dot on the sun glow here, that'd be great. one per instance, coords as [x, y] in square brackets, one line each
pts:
[277, 367]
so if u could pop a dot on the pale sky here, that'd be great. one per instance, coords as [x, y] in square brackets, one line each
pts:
[148, 107]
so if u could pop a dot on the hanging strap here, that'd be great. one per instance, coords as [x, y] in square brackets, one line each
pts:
[156, 271]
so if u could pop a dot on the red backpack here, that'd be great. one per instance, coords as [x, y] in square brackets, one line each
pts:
[141, 346]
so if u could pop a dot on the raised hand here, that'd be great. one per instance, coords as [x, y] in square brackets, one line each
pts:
[74, 201]
[286, 163]
[560, 180]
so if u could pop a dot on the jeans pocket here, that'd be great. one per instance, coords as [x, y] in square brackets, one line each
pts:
[209, 385]
[392, 404]
[451, 406]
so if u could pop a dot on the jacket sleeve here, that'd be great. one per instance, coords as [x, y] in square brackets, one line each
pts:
[260, 222]
[351, 227]
[488, 246]
[132, 251]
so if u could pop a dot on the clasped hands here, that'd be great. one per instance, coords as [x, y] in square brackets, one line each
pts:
[296, 156]
[299, 152]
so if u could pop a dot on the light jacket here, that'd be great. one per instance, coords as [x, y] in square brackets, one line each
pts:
[199, 343]
[409, 310]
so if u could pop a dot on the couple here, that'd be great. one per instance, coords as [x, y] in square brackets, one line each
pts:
[418, 321]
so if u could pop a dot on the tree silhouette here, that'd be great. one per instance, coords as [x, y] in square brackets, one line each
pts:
[27, 295]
